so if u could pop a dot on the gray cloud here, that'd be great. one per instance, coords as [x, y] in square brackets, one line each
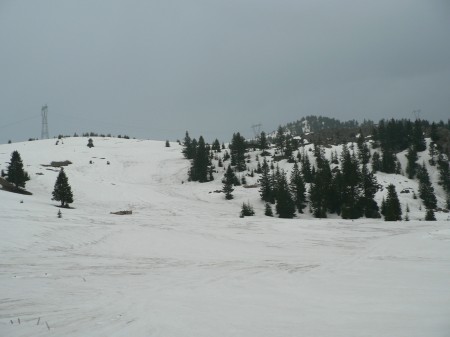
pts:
[153, 69]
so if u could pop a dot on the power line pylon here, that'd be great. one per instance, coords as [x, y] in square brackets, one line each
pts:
[44, 130]
[256, 130]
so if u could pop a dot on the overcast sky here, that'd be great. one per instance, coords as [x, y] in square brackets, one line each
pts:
[153, 69]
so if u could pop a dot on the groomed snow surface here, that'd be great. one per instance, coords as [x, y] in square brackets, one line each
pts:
[185, 264]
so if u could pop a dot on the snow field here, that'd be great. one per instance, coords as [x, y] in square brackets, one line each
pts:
[185, 264]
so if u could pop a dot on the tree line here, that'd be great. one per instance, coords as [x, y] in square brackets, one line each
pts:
[343, 184]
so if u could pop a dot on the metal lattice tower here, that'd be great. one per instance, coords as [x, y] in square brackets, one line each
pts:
[44, 130]
[256, 130]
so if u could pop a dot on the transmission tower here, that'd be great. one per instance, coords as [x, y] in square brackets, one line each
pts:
[256, 129]
[416, 113]
[44, 130]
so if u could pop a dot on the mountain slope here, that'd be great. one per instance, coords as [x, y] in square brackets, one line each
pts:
[184, 263]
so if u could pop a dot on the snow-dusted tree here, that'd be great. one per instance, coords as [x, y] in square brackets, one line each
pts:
[370, 188]
[199, 166]
[216, 146]
[228, 182]
[351, 186]
[268, 210]
[285, 206]
[237, 149]
[263, 143]
[16, 174]
[247, 210]
[426, 190]
[298, 189]
[62, 191]
[363, 149]
[391, 208]
[429, 215]
[266, 190]
[411, 166]
[90, 143]
[189, 146]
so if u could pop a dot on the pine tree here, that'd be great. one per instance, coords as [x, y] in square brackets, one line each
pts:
[411, 167]
[167, 143]
[351, 182]
[247, 210]
[228, 182]
[16, 174]
[429, 215]
[418, 137]
[285, 206]
[62, 191]
[370, 188]
[320, 190]
[391, 208]
[189, 147]
[268, 210]
[426, 190]
[444, 173]
[199, 167]
[298, 189]
[363, 149]
[388, 161]
[280, 140]
[216, 146]
[263, 144]
[90, 143]
[265, 181]
[376, 162]
[306, 169]
[433, 153]
[237, 149]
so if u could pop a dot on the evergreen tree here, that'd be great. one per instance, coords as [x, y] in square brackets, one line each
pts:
[216, 146]
[426, 190]
[189, 147]
[363, 149]
[376, 162]
[444, 173]
[268, 210]
[320, 189]
[351, 182]
[285, 206]
[370, 188]
[263, 144]
[306, 169]
[16, 174]
[90, 143]
[226, 156]
[247, 210]
[237, 149]
[388, 161]
[265, 181]
[391, 208]
[433, 153]
[167, 143]
[200, 163]
[298, 189]
[228, 182]
[429, 215]
[62, 191]
[280, 140]
[335, 192]
[411, 167]
[418, 137]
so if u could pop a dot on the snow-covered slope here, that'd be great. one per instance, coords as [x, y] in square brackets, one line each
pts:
[185, 264]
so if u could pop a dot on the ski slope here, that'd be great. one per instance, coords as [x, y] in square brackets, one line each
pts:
[185, 264]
